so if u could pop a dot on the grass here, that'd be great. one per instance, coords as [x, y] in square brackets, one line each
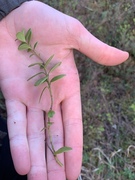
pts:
[108, 96]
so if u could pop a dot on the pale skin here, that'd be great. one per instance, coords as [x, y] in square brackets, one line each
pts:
[57, 34]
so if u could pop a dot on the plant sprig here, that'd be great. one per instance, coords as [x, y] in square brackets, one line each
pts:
[25, 44]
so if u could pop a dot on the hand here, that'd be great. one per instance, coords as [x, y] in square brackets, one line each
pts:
[57, 34]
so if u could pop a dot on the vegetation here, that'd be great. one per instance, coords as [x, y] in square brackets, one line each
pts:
[108, 96]
[25, 44]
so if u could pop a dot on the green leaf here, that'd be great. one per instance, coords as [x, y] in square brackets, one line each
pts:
[58, 161]
[28, 36]
[41, 81]
[44, 128]
[57, 77]
[35, 64]
[21, 36]
[35, 75]
[42, 93]
[35, 45]
[24, 46]
[48, 61]
[62, 150]
[29, 50]
[55, 66]
[41, 66]
[49, 123]
[50, 114]
[31, 55]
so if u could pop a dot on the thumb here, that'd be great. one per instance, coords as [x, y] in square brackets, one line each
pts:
[96, 49]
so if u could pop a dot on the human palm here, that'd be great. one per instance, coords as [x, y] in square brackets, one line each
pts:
[56, 34]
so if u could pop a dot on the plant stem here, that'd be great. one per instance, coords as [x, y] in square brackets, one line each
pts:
[51, 98]
[37, 55]
[48, 82]
[25, 38]
[50, 137]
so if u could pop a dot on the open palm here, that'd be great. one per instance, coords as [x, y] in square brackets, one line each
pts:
[57, 34]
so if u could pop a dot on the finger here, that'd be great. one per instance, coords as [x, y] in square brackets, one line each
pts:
[96, 49]
[55, 171]
[36, 139]
[72, 119]
[16, 121]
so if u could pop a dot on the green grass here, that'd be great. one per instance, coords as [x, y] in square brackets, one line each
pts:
[108, 95]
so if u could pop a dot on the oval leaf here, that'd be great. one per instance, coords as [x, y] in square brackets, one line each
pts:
[24, 46]
[41, 81]
[62, 150]
[57, 77]
[50, 114]
[58, 161]
[35, 45]
[48, 61]
[31, 55]
[42, 94]
[55, 66]
[21, 36]
[35, 64]
[28, 36]
[49, 124]
[35, 75]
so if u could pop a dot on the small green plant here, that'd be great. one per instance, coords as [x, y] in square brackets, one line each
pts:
[25, 38]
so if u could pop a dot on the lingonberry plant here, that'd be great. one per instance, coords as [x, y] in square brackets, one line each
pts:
[25, 44]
